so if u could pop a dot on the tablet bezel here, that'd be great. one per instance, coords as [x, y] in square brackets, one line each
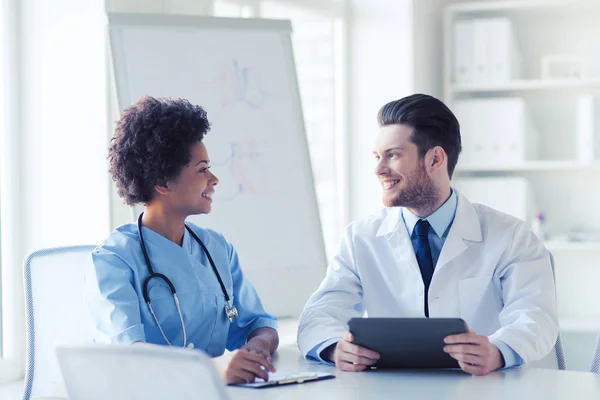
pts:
[414, 343]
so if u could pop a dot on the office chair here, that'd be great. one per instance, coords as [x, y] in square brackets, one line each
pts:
[556, 358]
[596, 357]
[55, 313]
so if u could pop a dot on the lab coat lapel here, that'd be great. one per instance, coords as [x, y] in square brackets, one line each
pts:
[465, 227]
[394, 230]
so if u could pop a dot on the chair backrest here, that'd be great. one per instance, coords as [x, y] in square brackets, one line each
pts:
[556, 358]
[55, 313]
[146, 372]
[596, 358]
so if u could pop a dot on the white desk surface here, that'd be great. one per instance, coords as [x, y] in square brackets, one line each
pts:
[519, 383]
[516, 383]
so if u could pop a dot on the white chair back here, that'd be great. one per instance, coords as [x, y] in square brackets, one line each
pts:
[55, 313]
[556, 358]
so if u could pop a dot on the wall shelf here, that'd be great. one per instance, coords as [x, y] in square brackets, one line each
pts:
[524, 85]
[505, 98]
[515, 5]
[530, 166]
[561, 245]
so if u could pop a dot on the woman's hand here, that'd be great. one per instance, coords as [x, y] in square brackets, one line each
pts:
[245, 366]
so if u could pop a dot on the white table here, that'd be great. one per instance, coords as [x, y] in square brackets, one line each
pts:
[516, 383]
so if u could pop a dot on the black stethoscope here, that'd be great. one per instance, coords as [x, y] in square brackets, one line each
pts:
[230, 309]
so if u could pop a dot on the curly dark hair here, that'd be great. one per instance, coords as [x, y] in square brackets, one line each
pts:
[152, 144]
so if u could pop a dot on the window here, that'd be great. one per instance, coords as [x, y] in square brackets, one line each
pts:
[318, 50]
[3, 96]
[10, 314]
[43, 67]
[7, 185]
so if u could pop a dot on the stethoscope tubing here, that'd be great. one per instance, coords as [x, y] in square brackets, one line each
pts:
[230, 309]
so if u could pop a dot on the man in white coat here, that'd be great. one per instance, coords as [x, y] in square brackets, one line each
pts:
[432, 253]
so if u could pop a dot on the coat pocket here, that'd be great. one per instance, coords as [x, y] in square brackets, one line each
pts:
[471, 294]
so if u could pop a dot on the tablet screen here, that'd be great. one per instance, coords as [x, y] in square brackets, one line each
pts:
[407, 342]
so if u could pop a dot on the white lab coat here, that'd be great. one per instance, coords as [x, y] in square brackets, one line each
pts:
[493, 272]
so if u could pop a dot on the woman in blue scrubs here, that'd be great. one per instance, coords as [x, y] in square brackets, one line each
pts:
[157, 158]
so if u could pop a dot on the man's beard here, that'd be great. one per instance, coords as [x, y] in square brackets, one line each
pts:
[419, 192]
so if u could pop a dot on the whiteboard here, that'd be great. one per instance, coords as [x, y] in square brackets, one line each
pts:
[242, 73]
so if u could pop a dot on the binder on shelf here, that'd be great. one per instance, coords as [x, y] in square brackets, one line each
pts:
[497, 131]
[462, 111]
[463, 51]
[481, 50]
[485, 51]
[472, 149]
[505, 55]
[510, 195]
[586, 143]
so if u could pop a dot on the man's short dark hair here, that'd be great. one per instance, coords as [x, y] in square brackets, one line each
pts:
[152, 144]
[432, 121]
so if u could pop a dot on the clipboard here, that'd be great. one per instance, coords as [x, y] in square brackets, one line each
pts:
[284, 378]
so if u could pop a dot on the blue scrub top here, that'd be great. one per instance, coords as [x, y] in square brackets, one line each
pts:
[115, 275]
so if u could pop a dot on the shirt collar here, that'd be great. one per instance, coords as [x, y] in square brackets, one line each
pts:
[440, 220]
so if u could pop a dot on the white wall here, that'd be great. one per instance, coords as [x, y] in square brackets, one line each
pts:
[379, 70]
[396, 49]
[64, 122]
[9, 191]
[428, 46]
[60, 168]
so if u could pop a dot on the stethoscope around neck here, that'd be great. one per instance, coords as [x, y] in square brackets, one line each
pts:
[230, 310]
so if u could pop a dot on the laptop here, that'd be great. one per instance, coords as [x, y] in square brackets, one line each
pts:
[129, 372]
[407, 342]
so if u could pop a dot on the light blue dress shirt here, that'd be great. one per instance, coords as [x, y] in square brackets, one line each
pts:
[441, 222]
[116, 272]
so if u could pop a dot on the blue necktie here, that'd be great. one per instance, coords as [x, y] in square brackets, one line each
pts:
[424, 257]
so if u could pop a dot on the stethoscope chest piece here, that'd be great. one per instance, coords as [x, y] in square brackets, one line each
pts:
[231, 311]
